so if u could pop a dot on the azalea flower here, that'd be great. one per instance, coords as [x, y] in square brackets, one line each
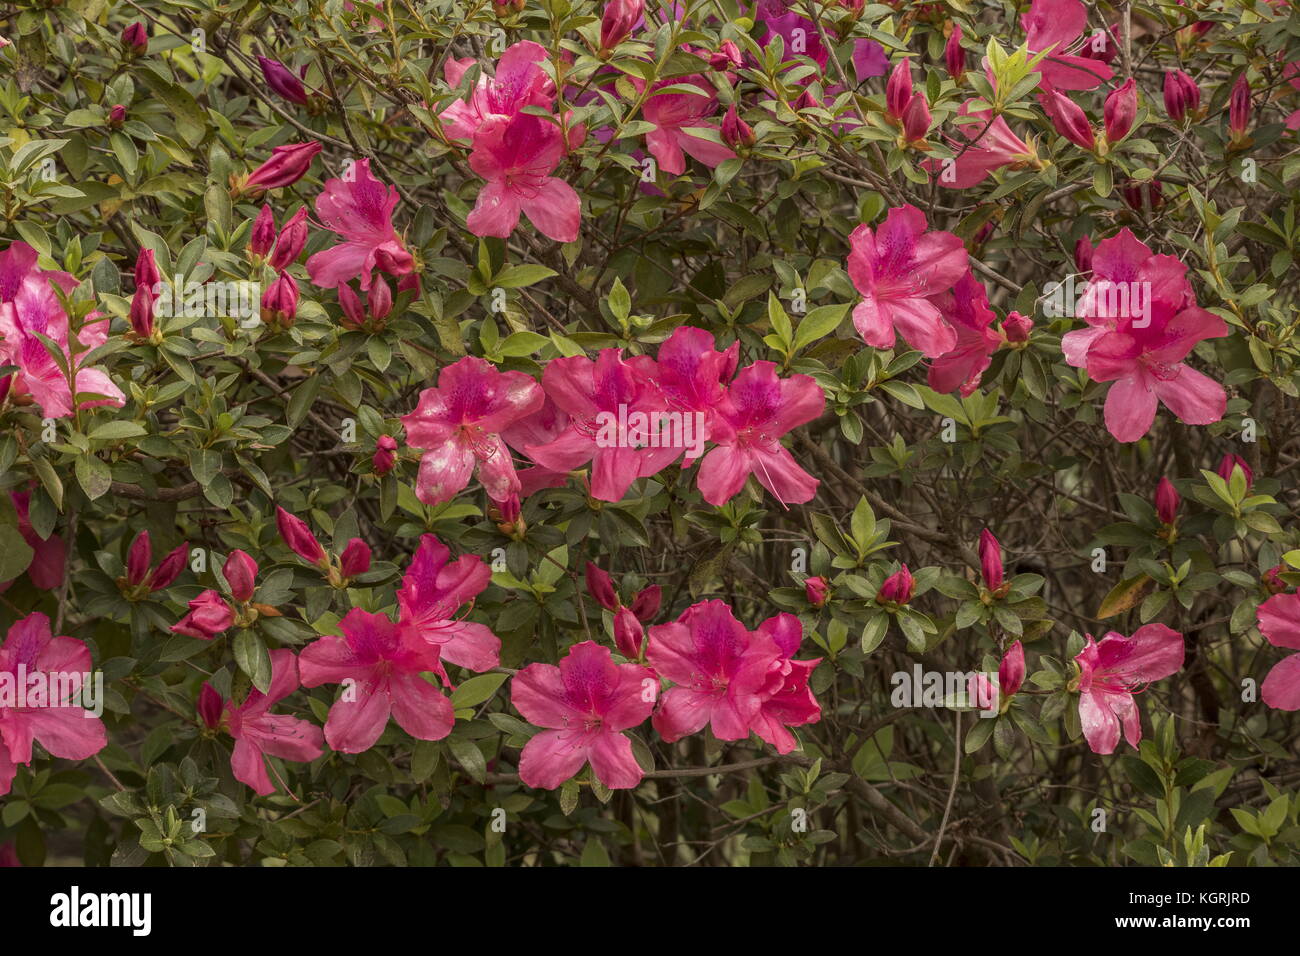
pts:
[1111, 670]
[1011, 675]
[583, 706]
[516, 159]
[62, 727]
[676, 116]
[1279, 622]
[898, 268]
[966, 309]
[360, 209]
[519, 81]
[692, 375]
[539, 428]
[991, 145]
[1056, 26]
[257, 732]
[49, 555]
[433, 591]
[459, 424]
[382, 664]
[760, 407]
[1143, 353]
[788, 701]
[209, 615]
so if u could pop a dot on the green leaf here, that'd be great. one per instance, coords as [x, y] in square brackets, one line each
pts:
[474, 691]
[253, 659]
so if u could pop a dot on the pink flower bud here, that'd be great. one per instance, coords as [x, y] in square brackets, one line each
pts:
[241, 574]
[898, 89]
[1229, 462]
[354, 312]
[1068, 118]
[282, 81]
[135, 38]
[1083, 255]
[990, 560]
[209, 615]
[736, 133]
[628, 634]
[280, 301]
[1142, 195]
[142, 313]
[954, 55]
[1239, 108]
[380, 300]
[295, 533]
[394, 262]
[726, 57]
[262, 237]
[817, 591]
[916, 119]
[146, 270]
[1016, 327]
[980, 693]
[409, 283]
[1011, 672]
[1272, 579]
[293, 237]
[646, 603]
[169, 568]
[138, 559]
[116, 115]
[1182, 95]
[806, 101]
[287, 165]
[1167, 501]
[1120, 111]
[601, 587]
[355, 558]
[385, 455]
[897, 588]
[619, 18]
[210, 706]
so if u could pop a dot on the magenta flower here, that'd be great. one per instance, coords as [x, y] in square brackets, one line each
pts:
[598, 396]
[360, 209]
[459, 423]
[1111, 670]
[258, 733]
[693, 376]
[380, 665]
[1143, 322]
[1120, 111]
[49, 555]
[869, 59]
[1056, 26]
[519, 81]
[62, 727]
[583, 705]
[721, 672]
[433, 591]
[516, 159]
[676, 117]
[541, 427]
[788, 701]
[898, 268]
[758, 409]
[990, 146]
[897, 589]
[1167, 501]
[1279, 622]
[966, 309]
[209, 616]
[1182, 95]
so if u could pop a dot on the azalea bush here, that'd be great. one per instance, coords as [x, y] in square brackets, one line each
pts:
[553, 432]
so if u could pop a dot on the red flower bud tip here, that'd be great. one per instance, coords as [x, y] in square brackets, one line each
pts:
[1272, 579]
[116, 115]
[601, 587]
[146, 270]
[616, 23]
[209, 615]
[1167, 501]
[898, 90]
[282, 81]
[355, 558]
[1182, 95]
[241, 574]
[1016, 327]
[169, 568]
[280, 301]
[646, 603]
[1068, 118]
[138, 559]
[293, 237]
[916, 119]
[954, 55]
[409, 283]
[897, 588]
[1229, 462]
[1011, 672]
[263, 235]
[287, 165]
[385, 454]
[990, 560]
[806, 101]
[817, 591]
[726, 57]
[736, 133]
[210, 707]
[628, 634]
[379, 301]
[1148, 195]
[1083, 255]
[1239, 108]
[142, 313]
[135, 38]
[295, 533]
[1120, 111]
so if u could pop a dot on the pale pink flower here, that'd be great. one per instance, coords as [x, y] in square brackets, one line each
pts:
[1279, 622]
[1111, 670]
[519, 81]
[360, 209]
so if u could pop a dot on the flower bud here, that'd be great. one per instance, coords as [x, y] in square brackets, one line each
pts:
[209, 615]
[210, 706]
[379, 301]
[355, 558]
[1272, 579]
[897, 588]
[954, 55]
[1068, 119]
[287, 165]
[385, 454]
[1167, 501]
[646, 603]
[736, 133]
[138, 559]
[146, 270]
[726, 57]
[1239, 109]
[282, 81]
[116, 116]
[169, 568]
[1016, 327]
[616, 23]
[135, 39]
[280, 301]
[1011, 672]
[262, 237]
[628, 634]
[1142, 195]
[142, 313]
[292, 239]
[601, 587]
[1182, 95]
[295, 533]
[817, 591]
[241, 574]
[1120, 111]
[990, 560]
[1083, 255]
[1229, 462]
[898, 90]
[916, 119]
[354, 312]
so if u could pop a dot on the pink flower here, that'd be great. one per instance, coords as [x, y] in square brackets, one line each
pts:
[720, 669]
[385, 456]
[693, 376]
[287, 165]
[433, 591]
[991, 146]
[381, 664]
[583, 706]
[516, 159]
[598, 396]
[966, 309]
[675, 117]
[817, 591]
[1279, 622]
[209, 616]
[459, 423]
[541, 427]
[360, 209]
[1141, 348]
[898, 268]
[990, 560]
[519, 81]
[62, 726]
[869, 59]
[1229, 463]
[1055, 26]
[897, 589]
[758, 409]
[1167, 501]
[258, 733]
[787, 700]
[1110, 671]
[49, 555]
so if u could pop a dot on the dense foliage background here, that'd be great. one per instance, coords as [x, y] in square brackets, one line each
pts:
[722, 157]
